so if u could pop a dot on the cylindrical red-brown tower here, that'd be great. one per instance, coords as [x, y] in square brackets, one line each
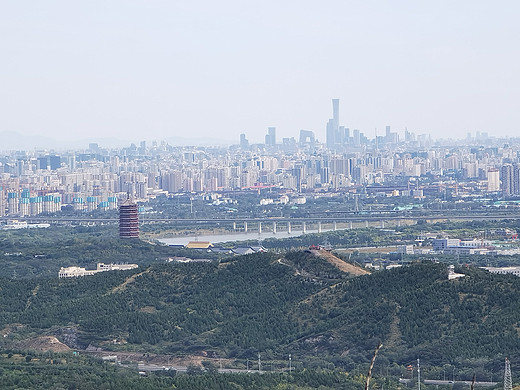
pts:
[128, 220]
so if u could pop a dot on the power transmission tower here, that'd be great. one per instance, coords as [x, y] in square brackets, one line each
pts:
[508, 382]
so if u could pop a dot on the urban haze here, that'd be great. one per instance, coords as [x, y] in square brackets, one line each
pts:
[259, 195]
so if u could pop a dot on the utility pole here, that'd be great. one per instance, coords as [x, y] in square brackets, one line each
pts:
[259, 364]
[418, 375]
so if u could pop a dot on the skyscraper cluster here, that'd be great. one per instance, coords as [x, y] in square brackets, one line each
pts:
[98, 179]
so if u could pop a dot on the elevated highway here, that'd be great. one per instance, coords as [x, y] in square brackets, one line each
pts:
[366, 219]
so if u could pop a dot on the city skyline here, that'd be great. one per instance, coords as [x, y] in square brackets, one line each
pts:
[129, 71]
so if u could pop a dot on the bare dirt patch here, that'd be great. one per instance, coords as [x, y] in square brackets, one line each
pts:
[44, 343]
[340, 264]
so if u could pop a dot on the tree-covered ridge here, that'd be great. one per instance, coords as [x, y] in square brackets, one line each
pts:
[277, 304]
[31, 253]
[231, 306]
[417, 312]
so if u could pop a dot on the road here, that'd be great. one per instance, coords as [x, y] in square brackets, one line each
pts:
[154, 367]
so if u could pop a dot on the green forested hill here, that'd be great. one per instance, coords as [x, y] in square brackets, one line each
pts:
[417, 312]
[32, 253]
[276, 304]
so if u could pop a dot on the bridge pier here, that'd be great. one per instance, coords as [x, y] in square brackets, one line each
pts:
[382, 224]
[289, 227]
[335, 226]
[274, 227]
[366, 224]
[259, 227]
[319, 227]
[304, 227]
[398, 223]
[245, 227]
[234, 226]
[350, 225]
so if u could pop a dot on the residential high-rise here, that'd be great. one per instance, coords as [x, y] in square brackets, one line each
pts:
[2, 202]
[128, 220]
[493, 180]
[510, 176]
[516, 179]
[12, 203]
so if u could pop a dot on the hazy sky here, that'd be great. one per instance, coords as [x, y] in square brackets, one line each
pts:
[154, 69]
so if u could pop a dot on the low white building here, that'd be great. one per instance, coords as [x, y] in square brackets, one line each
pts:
[452, 274]
[475, 243]
[74, 272]
[14, 224]
[503, 270]
[405, 249]
[440, 244]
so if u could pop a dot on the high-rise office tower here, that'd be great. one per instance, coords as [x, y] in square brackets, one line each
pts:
[54, 162]
[42, 163]
[335, 114]
[307, 139]
[330, 134]
[357, 137]
[333, 136]
[270, 138]
[244, 143]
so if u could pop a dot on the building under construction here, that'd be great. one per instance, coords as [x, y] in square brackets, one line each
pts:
[128, 220]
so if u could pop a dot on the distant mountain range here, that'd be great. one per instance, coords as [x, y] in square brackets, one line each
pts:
[16, 141]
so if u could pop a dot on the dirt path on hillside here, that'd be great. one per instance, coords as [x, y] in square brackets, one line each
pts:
[341, 264]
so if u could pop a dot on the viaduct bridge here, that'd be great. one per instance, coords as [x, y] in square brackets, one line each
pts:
[287, 224]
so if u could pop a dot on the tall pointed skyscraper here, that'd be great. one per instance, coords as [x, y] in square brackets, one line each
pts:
[333, 135]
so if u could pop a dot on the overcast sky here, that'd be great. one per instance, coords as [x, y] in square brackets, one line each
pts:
[154, 69]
